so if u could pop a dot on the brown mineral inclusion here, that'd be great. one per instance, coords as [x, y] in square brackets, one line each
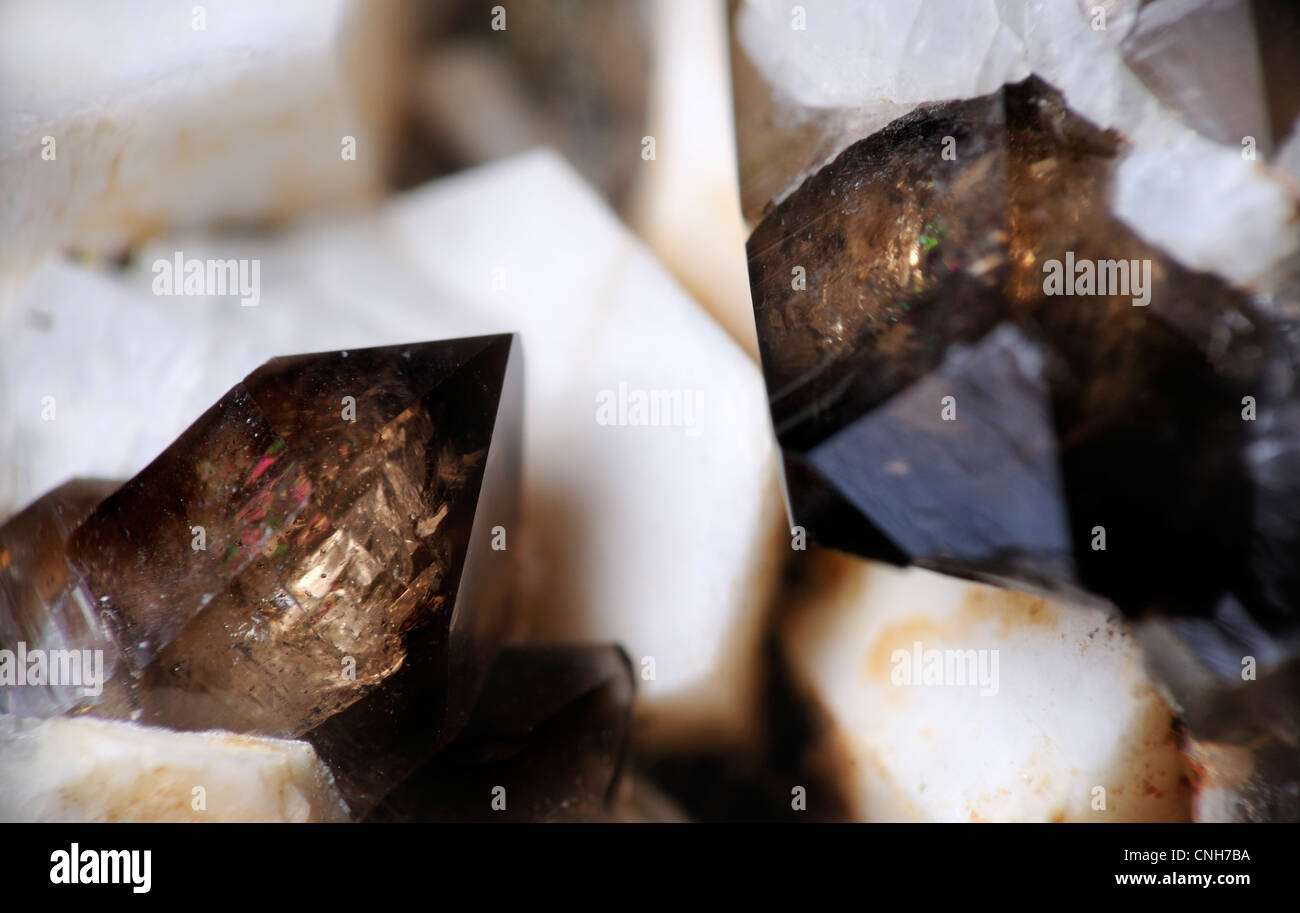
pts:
[314, 555]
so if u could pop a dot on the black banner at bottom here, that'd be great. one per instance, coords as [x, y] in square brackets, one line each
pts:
[336, 863]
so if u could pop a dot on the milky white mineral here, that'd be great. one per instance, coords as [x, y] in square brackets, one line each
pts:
[649, 482]
[87, 770]
[686, 203]
[944, 700]
[119, 118]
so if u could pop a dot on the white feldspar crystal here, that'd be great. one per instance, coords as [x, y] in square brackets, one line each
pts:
[88, 770]
[846, 53]
[1054, 713]
[119, 118]
[1202, 201]
[687, 202]
[662, 538]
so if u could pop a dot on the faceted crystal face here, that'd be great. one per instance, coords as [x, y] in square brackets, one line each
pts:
[546, 742]
[939, 401]
[321, 554]
[944, 398]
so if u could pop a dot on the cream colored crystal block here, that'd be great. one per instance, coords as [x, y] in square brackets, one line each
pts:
[846, 60]
[686, 202]
[659, 533]
[119, 118]
[87, 770]
[944, 700]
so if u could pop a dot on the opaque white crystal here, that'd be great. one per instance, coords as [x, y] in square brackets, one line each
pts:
[686, 203]
[1064, 724]
[87, 770]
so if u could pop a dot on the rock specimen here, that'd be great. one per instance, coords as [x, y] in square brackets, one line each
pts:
[87, 770]
[610, 501]
[949, 701]
[546, 742]
[980, 416]
[121, 118]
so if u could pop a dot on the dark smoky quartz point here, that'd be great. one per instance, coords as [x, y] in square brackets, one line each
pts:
[315, 557]
[974, 365]
[938, 403]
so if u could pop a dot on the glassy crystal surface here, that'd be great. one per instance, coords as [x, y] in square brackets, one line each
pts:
[322, 554]
[45, 607]
[1072, 411]
[546, 742]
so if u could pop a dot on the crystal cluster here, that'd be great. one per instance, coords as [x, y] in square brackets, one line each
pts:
[604, 508]
[981, 360]
[1021, 276]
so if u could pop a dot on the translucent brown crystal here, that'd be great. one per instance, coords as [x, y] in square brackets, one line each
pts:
[315, 555]
[924, 280]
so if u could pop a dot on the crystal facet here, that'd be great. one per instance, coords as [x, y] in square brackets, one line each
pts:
[981, 369]
[546, 742]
